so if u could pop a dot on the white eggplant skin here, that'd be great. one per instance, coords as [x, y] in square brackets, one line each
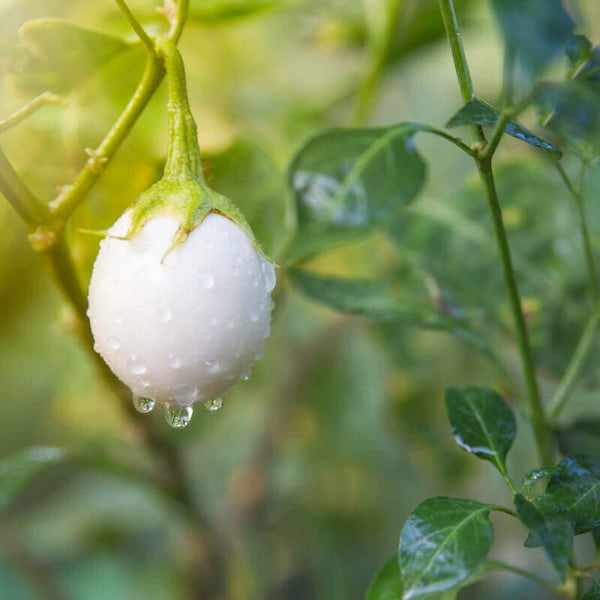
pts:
[180, 325]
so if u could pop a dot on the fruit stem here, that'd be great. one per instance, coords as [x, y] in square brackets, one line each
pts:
[183, 154]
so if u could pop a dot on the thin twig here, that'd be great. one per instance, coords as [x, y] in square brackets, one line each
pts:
[136, 26]
[18, 116]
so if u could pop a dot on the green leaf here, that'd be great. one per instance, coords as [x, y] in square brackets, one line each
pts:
[217, 11]
[17, 470]
[575, 489]
[387, 582]
[477, 112]
[553, 530]
[536, 30]
[443, 542]
[60, 55]
[482, 423]
[247, 174]
[351, 180]
[535, 476]
[379, 300]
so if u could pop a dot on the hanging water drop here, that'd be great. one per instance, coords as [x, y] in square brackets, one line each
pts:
[178, 417]
[143, 405]
[214, 405]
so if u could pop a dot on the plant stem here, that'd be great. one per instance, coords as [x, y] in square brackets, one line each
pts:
[20, 197]
[180, 20]
[580, 355]
[535, 407]
[460, 62]
[532, 576]
[183, 154]
[136, 26]
[72, 195]
[585, 233]
[447, 136]
[28, 109]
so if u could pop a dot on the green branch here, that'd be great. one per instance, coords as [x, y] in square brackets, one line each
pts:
[136, 26]
[460, 61]
[535, 408]
[71, 196]
[31, 210]
[18, 116]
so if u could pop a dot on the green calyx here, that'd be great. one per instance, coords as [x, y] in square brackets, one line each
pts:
[182, 192]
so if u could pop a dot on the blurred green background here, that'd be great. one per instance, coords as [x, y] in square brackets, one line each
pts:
[302, 482]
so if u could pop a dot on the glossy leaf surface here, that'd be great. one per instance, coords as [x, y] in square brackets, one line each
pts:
[477, 112]
[482, 423]
[443, 542]
[554, 531]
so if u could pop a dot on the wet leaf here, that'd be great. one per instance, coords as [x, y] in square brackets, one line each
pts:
[554, 531]
[482, 423]
[443, 542]
[535, 476]
[575, 489]
[477, 112]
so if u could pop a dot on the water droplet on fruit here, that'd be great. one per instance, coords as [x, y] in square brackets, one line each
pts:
[213, 366]
[143, 405]
[253, 316]
[174, 362]
[185, 394]
[178, 417]
[113, 342]
[165, 312]
[214, 405]
[135, 366]
[269, 273]
[207, 279]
